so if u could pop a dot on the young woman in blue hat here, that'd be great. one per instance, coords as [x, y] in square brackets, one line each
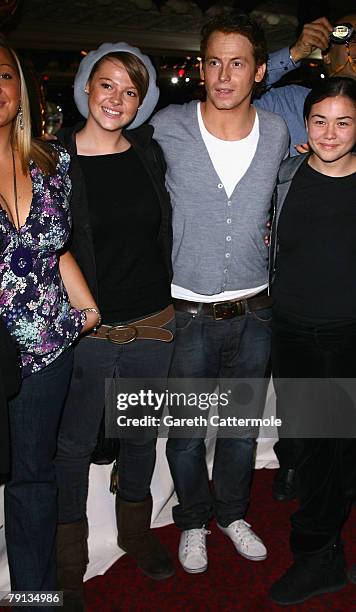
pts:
[122, 242]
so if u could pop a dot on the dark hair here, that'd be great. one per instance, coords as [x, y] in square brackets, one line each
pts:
[136, 70]
[238, 23]
[330, 88]
[338, 13]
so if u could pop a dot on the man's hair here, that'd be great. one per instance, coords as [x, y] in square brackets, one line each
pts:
[330, 88]
[238, 23]
[136, 70]
[338, 13]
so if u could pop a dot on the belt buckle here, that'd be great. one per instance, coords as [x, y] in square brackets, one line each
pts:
[228, 310]
[216, 308]
[132, 334]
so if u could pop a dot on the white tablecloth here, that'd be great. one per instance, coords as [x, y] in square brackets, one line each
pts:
[103, 550]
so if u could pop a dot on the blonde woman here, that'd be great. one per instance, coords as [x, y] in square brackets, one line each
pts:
[45, 304]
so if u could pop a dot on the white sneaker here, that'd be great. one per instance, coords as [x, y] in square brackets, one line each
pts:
[192, 550]
[246, 542]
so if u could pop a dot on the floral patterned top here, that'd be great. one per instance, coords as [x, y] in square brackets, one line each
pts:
[36, 307]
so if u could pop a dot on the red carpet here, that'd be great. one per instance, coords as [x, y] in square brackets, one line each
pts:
[231, 582]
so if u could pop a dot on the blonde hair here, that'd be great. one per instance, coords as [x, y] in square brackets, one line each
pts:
[28, 148]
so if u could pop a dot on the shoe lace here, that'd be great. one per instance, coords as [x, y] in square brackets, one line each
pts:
[196, 538]
[244, 532]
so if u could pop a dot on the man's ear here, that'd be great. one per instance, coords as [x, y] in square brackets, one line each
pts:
[260, 73]
[201, 70]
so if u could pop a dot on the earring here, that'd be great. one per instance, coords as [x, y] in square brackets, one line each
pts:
[20, 115]
[86, 91]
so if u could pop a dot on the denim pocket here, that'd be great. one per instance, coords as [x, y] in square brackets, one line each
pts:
[183, 320]
[264, 315]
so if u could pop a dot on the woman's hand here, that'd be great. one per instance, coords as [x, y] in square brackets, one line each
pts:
[92, 320]
[78, 291]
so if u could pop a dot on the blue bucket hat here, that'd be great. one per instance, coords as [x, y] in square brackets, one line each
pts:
[86, 65]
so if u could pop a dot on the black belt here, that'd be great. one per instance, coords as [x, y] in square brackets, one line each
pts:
[225, 310]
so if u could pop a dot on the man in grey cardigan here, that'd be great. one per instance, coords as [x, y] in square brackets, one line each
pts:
[222, 160]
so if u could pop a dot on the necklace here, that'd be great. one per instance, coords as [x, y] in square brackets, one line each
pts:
[21, 260]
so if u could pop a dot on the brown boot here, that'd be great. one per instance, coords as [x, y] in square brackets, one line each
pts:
[136, 538]
[72, 560]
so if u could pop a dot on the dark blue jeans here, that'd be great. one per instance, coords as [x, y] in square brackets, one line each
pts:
[205, 348]
[94, 361]
[31, 494]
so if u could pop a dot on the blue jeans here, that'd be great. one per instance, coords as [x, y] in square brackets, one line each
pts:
[31, 494]
[94, 361]
[205, 348]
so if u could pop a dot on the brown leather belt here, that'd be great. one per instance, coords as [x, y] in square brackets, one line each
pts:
[225, 310]
[149, 328]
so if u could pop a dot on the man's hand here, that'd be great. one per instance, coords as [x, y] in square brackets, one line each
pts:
[315, 35]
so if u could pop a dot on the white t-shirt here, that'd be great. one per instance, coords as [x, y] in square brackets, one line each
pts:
[231, 159]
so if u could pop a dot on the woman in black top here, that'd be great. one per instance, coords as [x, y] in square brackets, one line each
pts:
[314, 334]
[122, 242]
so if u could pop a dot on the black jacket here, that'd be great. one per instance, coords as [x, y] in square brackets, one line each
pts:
[286, 173]
[10, 381]
[81, 245]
